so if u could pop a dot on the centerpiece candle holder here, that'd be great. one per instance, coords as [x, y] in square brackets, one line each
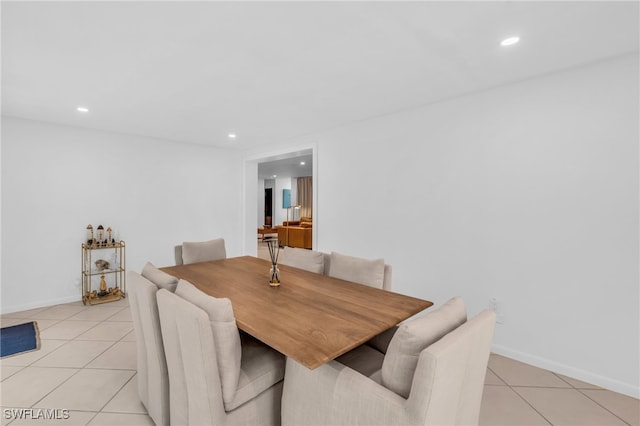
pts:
[274, 273]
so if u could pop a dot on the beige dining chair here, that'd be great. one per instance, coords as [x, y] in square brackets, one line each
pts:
[371, 272]
[152, 376]
[374, 273]
[412, 337]
[442, 385]
[193, 252]
[309, 260]
[216, 377]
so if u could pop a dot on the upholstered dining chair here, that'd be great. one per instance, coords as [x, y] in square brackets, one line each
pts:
[374, 272]
[152, 376]
[404, 343]
[216, 376]
[193, 252]
[442, 385]
[309, 260]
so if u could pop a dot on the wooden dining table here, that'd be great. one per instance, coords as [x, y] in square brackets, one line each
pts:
[312, 318]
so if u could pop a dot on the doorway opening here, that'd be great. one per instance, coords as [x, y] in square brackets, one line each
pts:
[268, 207]
[267, 176]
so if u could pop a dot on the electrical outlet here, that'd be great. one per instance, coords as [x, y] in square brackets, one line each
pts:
[496, 306]
[78, 282]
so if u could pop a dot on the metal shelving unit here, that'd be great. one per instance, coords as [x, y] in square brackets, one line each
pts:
[103, 285]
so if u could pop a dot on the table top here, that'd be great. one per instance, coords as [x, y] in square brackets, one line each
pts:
[310, 317]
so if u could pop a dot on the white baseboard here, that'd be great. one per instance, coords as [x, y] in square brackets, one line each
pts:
[569, 371]
[40, 304]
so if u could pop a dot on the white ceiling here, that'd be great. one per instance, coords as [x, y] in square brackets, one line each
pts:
[272, 71]
[291, 166]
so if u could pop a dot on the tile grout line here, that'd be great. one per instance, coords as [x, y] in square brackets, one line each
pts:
[68, 378]
[133, 377]
[112, 345]
[582, 393]
[84, 367]
[591, 399]
[21, 367]
[531, 405]
[542, 387]
[117, 392]
[55, 388]
[522, 398]
[61, 383]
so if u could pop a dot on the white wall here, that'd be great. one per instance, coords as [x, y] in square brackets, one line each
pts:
[154, 193]
[294, 214]
[527, 193]
[279, 214]
[262, 185]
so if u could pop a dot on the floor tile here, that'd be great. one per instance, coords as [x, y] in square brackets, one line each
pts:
[95, 313]
[577, 383]
[5, 421]
[8, 371]
[130, 337]
[568, 407]
[66, 330]
[88, 390]
[73, 354]
[122, 355]
[515, 373]
[625, 407]
[28, 358]
[127, 400]
[25, 314]
[123, 315]
[59, 312]
[122, 303]
[501, 406]
[68, 418]
[110, 419]
[101, 338]
[8, 322]
[108, 330]
[44, 324]
[78, 303]
[31, 384]
[492, 379]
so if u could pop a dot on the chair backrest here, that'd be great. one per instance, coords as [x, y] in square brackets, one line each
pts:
[152, 375]
[319, 262]
[226, 335]
[177, 252]
[192, 252]
[412, 337]
[309, 260]
[195, 392]
[216, 376]
[449, 378]
[387, 278]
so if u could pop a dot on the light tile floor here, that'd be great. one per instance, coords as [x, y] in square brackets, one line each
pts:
[87, 365]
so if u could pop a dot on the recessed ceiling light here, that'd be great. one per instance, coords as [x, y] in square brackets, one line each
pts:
[510, 41]
[82, 109]
[274, 176]
[302, 163]
[232, 135]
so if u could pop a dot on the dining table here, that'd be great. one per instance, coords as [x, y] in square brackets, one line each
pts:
[310, 317]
